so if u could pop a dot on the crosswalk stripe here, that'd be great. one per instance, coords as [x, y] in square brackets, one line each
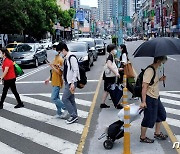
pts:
[44, 139]
[170, 101]
[169, 94]
[173, 122]
[78, 101]
[6, 149]
[172, 111]
[45, 104]
[77, 128]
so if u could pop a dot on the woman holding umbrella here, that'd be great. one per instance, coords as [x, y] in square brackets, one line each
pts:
[154, 111]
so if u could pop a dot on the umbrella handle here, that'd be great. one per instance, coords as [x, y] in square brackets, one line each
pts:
[163, 80]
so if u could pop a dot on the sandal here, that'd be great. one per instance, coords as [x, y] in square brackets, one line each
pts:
[146, 140]
[160, 136]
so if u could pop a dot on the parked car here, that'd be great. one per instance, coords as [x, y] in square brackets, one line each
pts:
[91, 46]
[100, 46]
[46, 43]
[10, 47]
[29, 54]
[80, 50]
[129, 38]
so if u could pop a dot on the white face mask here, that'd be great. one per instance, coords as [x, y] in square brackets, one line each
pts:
[161, 67]
[115, 52]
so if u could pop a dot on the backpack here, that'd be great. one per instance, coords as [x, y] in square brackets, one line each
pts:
[83, 78]
[139, 81]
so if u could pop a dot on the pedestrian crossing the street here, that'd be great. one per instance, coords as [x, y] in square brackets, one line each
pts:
[171, 102]
[34, 128]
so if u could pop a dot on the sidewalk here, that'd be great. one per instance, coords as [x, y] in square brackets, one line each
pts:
[107, 117]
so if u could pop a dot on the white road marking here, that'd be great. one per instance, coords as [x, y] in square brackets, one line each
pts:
[78, 101]
[77, 128]
[170, 101]
[41, 138]
[172, 111]
[171, 58]
[173, 122]
[30, 82]
[169, 94]
[31, 73]
[6, 149]
[45, 104]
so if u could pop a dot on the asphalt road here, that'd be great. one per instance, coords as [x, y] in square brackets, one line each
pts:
[34, 130]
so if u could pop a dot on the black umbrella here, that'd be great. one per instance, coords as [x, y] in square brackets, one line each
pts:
[160, 46]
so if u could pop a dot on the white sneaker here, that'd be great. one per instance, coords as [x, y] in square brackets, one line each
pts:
[64, 115]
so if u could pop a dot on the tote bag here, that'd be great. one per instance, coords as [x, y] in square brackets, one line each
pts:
[128, 70]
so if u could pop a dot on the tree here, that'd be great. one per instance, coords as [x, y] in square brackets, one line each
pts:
[12, 16]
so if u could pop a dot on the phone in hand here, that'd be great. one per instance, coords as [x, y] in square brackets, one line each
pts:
[47, 61]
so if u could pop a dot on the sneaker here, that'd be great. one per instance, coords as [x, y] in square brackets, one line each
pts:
[104, 106]
[63, 115]
[71, 120]
[19, 106]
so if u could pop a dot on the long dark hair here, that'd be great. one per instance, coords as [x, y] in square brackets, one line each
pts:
[7, 54]
[124, 50]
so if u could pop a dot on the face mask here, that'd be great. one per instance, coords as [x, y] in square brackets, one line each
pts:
[161, 67]
[115, 52]
[55, 52]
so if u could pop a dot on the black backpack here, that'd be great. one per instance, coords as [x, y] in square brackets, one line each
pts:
[139, 81]
[83, 78]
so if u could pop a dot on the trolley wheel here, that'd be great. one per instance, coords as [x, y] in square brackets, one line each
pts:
[108, 144]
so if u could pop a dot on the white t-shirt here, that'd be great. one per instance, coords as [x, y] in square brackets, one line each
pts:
[124, 58]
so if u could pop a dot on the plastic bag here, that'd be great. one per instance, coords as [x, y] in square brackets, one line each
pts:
[135, 113]
[18, 70]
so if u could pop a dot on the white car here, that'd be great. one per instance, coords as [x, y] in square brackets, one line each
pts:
[46, 43]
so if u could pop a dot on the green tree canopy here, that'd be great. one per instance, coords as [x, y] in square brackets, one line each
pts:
[32, 17]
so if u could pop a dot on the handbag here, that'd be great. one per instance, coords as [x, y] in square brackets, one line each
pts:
[128, 70]
[108, 72]
[18, 70]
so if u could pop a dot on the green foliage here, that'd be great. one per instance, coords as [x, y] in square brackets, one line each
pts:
[114, 40]
[32, 17]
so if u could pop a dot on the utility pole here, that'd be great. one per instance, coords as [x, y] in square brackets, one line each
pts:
[120, 35]
[162, 20]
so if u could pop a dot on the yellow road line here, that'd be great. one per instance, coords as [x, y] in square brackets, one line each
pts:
[88, 121]
[171, 135]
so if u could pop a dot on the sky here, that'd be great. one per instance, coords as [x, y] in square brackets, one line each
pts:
[91, 3]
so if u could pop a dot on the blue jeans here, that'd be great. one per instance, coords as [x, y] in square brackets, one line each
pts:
[69, 100]
[56, 99]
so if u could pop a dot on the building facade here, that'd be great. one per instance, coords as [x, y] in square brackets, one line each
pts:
[64, 4]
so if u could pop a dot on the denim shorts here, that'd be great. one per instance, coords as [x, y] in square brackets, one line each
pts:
[155, 112]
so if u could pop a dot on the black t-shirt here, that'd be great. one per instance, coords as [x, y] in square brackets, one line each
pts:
[110, 57]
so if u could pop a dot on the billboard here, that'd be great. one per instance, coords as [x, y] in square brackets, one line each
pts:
[80, 15]
[175, 12]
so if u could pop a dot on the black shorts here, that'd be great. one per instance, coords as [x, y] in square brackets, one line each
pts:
[155, 112]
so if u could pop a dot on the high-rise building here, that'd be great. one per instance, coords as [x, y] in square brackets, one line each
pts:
[105, 10]
[76, 4]
[100, 7]
[94, 13]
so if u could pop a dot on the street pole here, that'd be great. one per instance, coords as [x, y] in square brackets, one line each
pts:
[120, 40]
[162, 20]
